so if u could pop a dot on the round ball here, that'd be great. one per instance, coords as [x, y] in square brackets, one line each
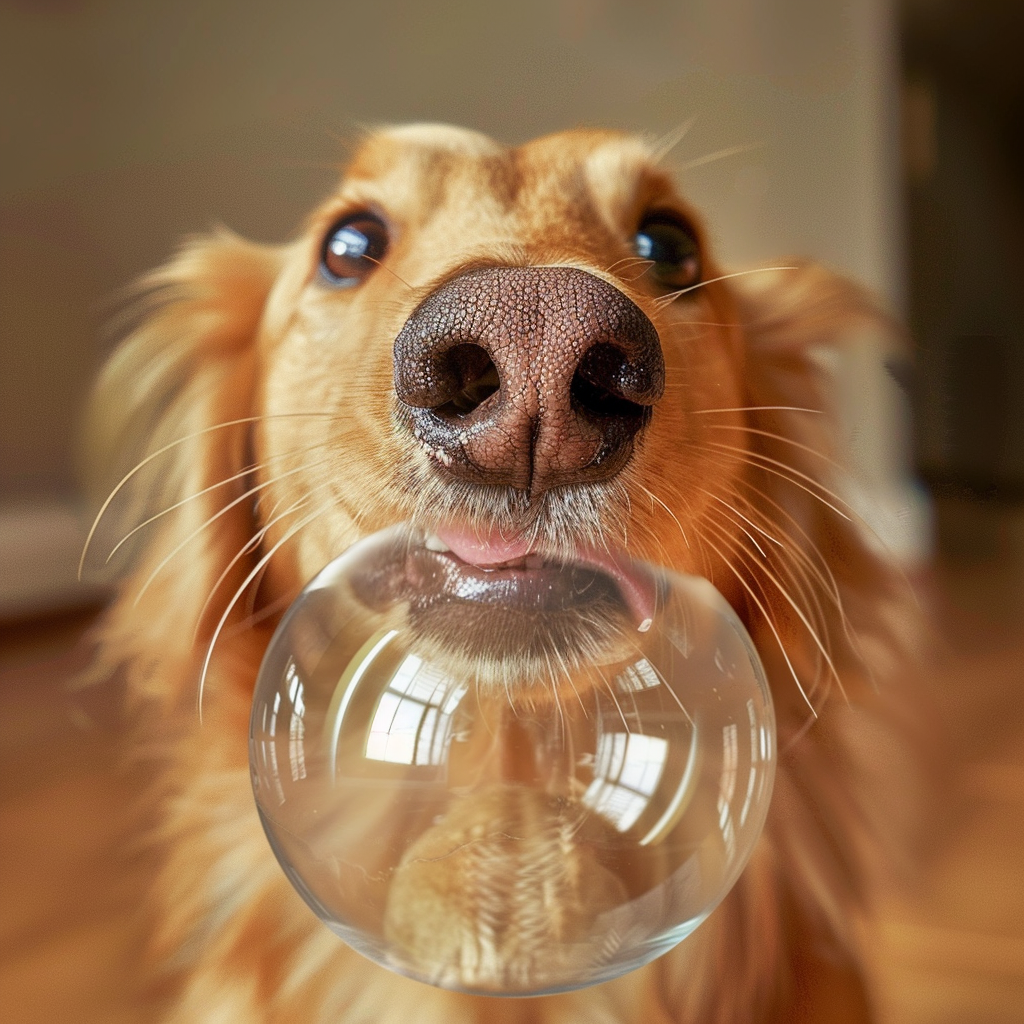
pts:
[510, 781]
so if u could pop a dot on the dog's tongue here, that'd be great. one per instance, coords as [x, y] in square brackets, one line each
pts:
[491, 550]
[483, 550]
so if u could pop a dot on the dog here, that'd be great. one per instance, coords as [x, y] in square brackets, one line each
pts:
[292, 399]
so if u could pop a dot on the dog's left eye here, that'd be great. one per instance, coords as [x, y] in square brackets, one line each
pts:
[352, 249]
[672, 247]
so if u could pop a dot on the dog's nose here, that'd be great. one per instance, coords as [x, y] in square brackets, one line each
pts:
[529, 377]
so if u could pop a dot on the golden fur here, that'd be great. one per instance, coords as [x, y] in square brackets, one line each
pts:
[272, 395]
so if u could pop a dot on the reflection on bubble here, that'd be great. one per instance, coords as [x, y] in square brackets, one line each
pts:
[509, 786]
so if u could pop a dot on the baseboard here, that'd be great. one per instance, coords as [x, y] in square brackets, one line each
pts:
[40, 545]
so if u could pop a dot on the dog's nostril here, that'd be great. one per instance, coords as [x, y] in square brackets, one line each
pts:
[473, 376]
[605, 385]
[602, 404]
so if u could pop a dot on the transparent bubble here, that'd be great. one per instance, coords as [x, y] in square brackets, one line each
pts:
[510, 781]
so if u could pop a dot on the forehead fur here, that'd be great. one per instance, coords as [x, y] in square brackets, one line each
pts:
[602, 176]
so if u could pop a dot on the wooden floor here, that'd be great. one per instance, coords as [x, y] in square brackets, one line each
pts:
[950, 952]
[70, 881]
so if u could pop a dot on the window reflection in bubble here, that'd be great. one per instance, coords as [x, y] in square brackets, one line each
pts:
[412, 723]
[627, 770]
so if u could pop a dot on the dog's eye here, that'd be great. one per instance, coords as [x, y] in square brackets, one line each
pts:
[352, 249]
[672, 247]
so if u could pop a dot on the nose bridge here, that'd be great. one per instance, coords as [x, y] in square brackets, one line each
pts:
[577, 366]
[537, 341]
[536, 338]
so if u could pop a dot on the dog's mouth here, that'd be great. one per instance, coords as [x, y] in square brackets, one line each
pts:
[477, 594]
[512, 572]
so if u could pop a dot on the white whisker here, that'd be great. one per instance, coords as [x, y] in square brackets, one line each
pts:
[777, 437]
[748, 456]
[720, 154]
[166, 448]
[654, 497]
[670, 140]
[292, 530]
[803, 618]
[250, 545]
[665, 300]
[749, 522]
[768, 621]
[209, 522]
[255, 467]
[758, 408]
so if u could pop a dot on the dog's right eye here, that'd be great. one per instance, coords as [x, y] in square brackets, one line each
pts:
[352, 249]
[671, 246]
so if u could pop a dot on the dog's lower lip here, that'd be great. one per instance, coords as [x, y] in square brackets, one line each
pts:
[427, 573]
[528, 584]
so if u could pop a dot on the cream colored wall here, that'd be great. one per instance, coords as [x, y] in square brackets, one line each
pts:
[128, 124]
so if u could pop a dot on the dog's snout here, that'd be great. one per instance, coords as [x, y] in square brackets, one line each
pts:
[529, 377]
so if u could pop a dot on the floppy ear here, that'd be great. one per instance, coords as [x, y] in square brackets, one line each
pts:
[844, 781]
[173, 402]
[833, 585]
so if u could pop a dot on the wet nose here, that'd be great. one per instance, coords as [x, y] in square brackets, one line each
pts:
[529, 377]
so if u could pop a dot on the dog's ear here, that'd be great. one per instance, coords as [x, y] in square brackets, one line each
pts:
[174, 404]
[837, 577]
[844, 783]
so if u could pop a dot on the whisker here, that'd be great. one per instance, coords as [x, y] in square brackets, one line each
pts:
[789, 545]
[820, 570]
[778, 437]
[821, 577]
[255, 467]
[670, 140]
[209, 522]
[605, 683]
[758, 408]
[654, 497]
[384, 266]
[668, 687]
[699, 323]
[749, 522]
[664, 300]
[751, 538]
[747, 456]
[720, 154]
[166, 448]
[636, 271]
[292, 530]
[803, 618]
[254, 618]
[552, 675]
[768, 621]
[250, 545]
[251, 603]
[632, 260]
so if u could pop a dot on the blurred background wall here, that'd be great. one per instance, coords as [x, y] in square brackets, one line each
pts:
[127, 125]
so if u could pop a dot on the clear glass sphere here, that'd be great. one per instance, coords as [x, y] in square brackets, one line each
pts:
[510, 781]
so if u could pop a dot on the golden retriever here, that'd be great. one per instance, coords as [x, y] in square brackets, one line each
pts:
[292, 399]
